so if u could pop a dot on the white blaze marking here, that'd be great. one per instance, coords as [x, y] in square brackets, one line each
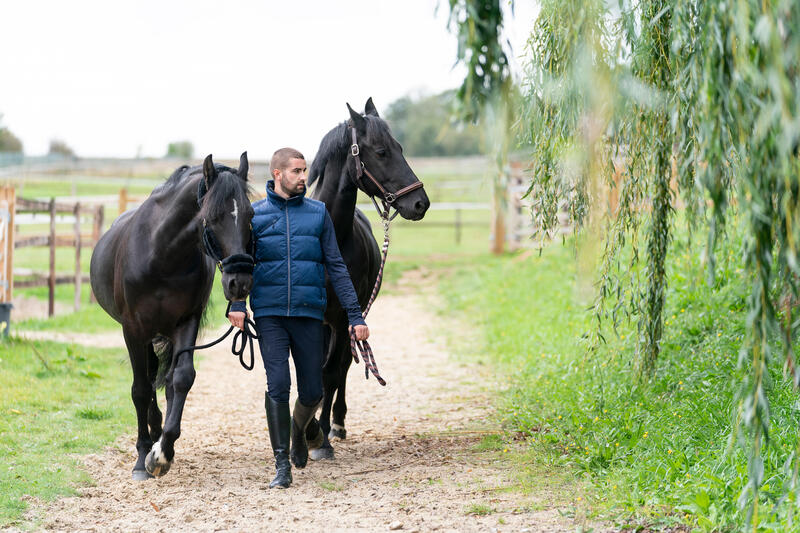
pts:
[235, 214]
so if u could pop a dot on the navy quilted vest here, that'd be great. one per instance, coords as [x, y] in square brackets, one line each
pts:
[289, 277]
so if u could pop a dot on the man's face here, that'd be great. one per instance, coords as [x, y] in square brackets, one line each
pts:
[292, 179]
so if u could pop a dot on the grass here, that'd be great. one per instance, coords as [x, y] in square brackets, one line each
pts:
[657, 453]
[330, 486]
[60, 186]
[491, 442]
[479, 509]
[59, 401]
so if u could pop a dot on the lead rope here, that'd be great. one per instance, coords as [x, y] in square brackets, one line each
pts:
[363, 346]
[241, 336]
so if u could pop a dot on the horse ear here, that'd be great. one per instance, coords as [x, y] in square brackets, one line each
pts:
[209, 171]
[357, 120]
[244, 166]
[369, 108]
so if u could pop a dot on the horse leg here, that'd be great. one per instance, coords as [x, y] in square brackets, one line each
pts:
[313, 432]
[325, 451]
[141, 393]
[338, 430]
[154, 413]
[340, 406]
[180, 380]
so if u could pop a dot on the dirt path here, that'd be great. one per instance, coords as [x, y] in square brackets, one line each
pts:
[408, 462]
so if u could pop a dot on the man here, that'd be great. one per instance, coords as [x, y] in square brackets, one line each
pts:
[294, 239]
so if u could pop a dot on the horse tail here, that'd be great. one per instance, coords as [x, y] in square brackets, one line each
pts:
[162, 346]
[329, 342]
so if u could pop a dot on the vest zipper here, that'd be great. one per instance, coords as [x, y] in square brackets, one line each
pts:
[288, 265]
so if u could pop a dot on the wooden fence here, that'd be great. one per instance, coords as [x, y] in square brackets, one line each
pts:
[52, 240]
[7, 201]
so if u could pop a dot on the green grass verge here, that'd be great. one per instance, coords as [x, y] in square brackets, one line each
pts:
[61, 186]
[58, 401]
[658, 453]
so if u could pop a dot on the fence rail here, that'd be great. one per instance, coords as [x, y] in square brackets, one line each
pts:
[77, 239]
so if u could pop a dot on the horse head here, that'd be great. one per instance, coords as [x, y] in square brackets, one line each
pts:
[226, 213]
[380, 157]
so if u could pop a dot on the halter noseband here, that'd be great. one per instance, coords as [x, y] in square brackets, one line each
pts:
[389, 198]
[233, 264]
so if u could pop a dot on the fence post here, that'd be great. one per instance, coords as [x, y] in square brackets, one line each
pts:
[77, 211]
[123, 200]
[8, 204]
[51, 282]
[498, 221]
[97, 229]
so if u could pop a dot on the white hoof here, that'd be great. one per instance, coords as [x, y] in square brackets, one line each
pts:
[156, 462]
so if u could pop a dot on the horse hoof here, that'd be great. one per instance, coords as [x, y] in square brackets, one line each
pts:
[337, 432]
[155, 462]
[319, 454]
[141, 475]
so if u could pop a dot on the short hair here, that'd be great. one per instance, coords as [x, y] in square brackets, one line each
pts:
[280, 159]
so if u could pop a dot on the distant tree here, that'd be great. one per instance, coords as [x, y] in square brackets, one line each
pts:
[57, 146]
[180, 149]
[425, 127]
[8, 141]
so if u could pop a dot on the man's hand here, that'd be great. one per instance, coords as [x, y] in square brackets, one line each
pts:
[237, 318]
[362, 333]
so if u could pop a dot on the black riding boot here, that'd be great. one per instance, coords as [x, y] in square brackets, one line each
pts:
[279, 422]
[301, 416]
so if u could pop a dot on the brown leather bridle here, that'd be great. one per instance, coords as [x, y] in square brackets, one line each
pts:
[389, 198]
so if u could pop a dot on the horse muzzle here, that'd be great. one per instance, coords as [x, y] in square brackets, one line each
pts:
[236, 285]
[414, 206]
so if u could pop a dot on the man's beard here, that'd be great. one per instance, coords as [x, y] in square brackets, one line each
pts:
[297, 190]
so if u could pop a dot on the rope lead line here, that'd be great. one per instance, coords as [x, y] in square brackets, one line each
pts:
[241, 337]
[363, 346]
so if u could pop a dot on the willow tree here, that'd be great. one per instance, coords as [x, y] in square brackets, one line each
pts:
[486, 96]
[710, 88]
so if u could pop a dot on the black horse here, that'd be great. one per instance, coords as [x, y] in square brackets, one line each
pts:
[151, 271]
[335, 171]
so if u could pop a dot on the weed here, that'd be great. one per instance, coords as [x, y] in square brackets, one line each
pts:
[479, 509]
[329, 485]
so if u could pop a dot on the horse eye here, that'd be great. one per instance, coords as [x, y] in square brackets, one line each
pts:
[381, 152]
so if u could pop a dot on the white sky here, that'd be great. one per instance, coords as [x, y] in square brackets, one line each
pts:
[117, 77]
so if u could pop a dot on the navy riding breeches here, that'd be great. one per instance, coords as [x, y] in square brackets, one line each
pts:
[304, 336]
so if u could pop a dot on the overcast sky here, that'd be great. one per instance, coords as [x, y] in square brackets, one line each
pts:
[120, 77]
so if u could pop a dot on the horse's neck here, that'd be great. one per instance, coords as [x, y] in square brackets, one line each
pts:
[339, 194]
[175, 232]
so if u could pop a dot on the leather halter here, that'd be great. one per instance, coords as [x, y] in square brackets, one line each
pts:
[233, 264]
[389, 198]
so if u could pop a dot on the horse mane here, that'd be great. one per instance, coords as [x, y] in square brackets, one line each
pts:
[227, 185]
[335, 146]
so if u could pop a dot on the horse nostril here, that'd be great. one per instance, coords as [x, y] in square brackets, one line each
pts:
[246, 286]
[420, 206]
